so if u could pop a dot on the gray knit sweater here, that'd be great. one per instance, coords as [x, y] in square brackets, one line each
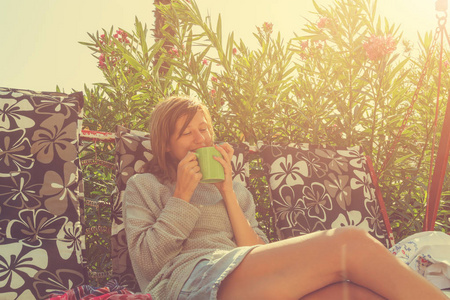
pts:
[167, 236]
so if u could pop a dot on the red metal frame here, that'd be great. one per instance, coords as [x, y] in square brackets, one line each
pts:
[380, 201]
[438, 174]
[89, 135]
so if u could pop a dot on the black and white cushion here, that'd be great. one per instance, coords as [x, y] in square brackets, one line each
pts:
[41, 199]
[318, 187]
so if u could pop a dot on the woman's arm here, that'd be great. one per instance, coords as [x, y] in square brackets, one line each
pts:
[244, 232]
[156, 223]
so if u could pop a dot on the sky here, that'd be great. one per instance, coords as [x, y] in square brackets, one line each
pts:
[40, 49]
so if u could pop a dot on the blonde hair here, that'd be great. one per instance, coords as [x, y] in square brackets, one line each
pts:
[163, 125]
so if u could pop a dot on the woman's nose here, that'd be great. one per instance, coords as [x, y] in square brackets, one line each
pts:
[199, 137]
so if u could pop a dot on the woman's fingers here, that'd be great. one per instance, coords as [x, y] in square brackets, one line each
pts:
[190, 156]
[189, 165]
[189, 161]
[226, 150]
[227, 153]
[226, 186]
[188, 177]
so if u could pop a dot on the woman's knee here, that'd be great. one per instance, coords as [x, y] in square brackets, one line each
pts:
[342, 240]
[354, 236]
[356, 247]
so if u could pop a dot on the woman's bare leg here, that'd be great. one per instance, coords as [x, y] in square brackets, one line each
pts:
[343, 291]
[293, 268]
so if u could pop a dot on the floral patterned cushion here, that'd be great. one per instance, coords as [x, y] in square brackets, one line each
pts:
[132, 151]
[316, 187]
[41, 199]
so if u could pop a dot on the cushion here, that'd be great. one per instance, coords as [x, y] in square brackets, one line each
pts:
[316, 187]
[132, 151]
[41, 203]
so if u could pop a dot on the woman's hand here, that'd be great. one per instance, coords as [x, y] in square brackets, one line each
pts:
[188, 177]
[227, 152]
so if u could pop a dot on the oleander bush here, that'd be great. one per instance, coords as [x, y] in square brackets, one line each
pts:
[347, 78]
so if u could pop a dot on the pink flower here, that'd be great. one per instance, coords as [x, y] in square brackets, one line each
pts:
[379, 46]
[323, 22]
[304, 44]
[267, 27]
[174, 51]
[213, 93]
[101, 61]
[214, 79]
[234, 51]
[205, 62]
[102, 39]
[122, 36]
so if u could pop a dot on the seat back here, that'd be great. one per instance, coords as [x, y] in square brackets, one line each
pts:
[316, 187]
[41, 196]
[133, 150]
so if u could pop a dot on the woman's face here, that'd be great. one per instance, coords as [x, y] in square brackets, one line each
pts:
[196, 135]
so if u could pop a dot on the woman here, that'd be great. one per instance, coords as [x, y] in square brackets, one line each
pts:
[192, 240]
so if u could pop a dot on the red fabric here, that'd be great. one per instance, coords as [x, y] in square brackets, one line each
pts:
[116, 295]
[111, 291]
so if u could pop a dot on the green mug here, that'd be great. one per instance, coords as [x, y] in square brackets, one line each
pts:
[211, 169]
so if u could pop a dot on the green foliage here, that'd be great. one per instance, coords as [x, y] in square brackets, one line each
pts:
[99, 184]
[344, 81]
[133, 85]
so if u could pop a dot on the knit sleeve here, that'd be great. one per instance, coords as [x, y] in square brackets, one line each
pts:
[156, 224]
[247, 205]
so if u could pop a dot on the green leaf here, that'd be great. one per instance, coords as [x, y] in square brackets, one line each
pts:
[403, 158]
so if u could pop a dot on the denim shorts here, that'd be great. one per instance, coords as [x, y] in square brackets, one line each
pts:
[204, 281]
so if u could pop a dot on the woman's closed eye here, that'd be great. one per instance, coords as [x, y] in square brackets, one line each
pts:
[201, 130]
